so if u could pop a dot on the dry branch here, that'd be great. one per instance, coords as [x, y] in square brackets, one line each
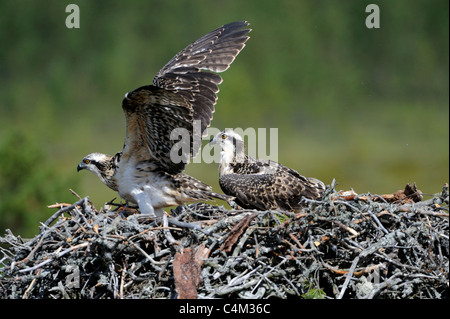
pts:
[345, 245]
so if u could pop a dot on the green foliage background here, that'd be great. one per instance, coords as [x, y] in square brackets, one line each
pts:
[368, 107]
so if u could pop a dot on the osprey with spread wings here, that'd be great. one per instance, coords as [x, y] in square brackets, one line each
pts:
[184, 90]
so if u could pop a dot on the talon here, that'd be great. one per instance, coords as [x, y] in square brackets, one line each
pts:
[127, 211]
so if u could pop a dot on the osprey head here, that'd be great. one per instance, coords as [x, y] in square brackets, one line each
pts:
[102, 165]
[232, 145]
[95, 162]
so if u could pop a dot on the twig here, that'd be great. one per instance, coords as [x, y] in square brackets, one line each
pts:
[192, 226]
[25, 295]
[167, 233]
[60, 254]
[74, 193]
[387, 283]
[348, 277]
[375, 218]
[63, 210]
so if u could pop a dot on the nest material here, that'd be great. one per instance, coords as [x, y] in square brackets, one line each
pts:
[342, 246]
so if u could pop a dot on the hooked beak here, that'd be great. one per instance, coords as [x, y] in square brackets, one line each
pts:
[212, 141]
[80, 167]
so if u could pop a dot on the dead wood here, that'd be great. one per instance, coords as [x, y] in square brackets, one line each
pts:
[187, 273]
[345, 245]
[236, 231]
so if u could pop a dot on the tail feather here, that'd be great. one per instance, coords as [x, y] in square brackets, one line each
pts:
[198, 190]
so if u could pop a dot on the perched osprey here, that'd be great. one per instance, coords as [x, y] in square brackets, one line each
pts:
[261, 184]
[183, 91]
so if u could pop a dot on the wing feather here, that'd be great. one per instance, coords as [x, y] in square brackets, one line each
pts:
[152, 114]
[181, 93]
[184, 73]
[263, 191]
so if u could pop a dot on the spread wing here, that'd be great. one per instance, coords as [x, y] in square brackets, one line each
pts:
[152, 115]
[181, 93]
[185, 73]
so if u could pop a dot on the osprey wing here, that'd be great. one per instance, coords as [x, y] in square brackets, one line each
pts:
[270, 191]
[262, 191]
[185, 73]
[152, 114]
[181, 93]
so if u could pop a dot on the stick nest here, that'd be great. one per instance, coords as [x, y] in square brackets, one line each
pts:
[345, 245]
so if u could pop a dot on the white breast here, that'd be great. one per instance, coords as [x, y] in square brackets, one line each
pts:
[225, 159]
[145, 188]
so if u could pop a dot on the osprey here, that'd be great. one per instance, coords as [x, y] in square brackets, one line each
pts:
[183, 91]
[261, 184]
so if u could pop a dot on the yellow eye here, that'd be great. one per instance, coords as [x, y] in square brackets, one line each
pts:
[86, 161]
[224, 136]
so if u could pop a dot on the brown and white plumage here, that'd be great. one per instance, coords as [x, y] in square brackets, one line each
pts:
[145, 172]
[261, 184]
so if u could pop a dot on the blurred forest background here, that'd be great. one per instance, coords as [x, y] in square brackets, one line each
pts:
[368, 107]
